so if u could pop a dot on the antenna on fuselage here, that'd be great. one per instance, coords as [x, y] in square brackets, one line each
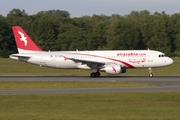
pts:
[148, 48]
[76, 49]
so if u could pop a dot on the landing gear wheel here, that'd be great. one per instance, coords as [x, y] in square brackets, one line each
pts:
[150, 75]
[93, 75]
[97, 74]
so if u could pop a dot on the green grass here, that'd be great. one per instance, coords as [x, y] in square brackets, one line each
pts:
[85, 106]
[13, 67]
[41, 85]
[91, 106]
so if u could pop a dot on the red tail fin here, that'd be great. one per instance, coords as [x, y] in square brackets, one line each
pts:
[23, 41]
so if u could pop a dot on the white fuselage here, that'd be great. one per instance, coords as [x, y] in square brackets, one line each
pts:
[125, 58]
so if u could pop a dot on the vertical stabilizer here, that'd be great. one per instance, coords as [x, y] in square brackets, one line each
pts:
[23, 41]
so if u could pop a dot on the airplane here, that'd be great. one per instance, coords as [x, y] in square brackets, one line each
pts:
[109, 61]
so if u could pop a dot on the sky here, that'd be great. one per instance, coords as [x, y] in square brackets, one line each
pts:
[79, 8]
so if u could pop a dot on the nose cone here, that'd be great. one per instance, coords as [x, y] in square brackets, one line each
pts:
[169, 61]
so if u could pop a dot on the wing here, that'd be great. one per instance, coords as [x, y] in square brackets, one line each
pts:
[90, 63]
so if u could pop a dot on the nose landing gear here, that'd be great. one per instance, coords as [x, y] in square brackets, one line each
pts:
[150, 73]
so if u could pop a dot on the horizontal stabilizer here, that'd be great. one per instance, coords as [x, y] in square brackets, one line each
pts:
[20, 57]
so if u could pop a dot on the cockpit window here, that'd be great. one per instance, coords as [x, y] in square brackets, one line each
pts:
[162, 55]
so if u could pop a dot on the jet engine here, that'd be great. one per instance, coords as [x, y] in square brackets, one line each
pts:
[113, 69]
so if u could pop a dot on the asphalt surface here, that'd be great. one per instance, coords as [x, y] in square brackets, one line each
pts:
[164, 83]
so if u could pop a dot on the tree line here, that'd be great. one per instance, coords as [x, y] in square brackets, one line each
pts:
[54, 30]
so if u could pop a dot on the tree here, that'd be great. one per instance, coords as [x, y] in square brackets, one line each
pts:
[55, 13]
[124, 36]
[14, 17]
[7, 44]
[162, 38]
[55, 30]
[100, 35]
[44, 32]
[176, 27]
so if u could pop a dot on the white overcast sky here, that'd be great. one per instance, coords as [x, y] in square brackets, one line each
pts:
[79, 8]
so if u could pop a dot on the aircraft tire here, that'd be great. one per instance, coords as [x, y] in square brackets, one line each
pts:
[150, 75]
[93, 75]
[97, 74]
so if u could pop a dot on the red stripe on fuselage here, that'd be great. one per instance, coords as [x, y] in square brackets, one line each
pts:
[127, 64]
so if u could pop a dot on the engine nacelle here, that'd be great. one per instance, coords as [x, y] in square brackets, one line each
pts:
[113, 69]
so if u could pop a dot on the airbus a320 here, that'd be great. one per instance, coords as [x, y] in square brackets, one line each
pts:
[109, 61]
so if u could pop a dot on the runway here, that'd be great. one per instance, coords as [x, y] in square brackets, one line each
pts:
[164, 83]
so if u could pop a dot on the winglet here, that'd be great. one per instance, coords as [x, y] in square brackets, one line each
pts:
[23, 41]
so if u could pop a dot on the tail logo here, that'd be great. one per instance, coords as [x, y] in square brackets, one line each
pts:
[23, 38]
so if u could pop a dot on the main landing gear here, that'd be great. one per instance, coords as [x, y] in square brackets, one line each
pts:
[150, 73]
[95, 74]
